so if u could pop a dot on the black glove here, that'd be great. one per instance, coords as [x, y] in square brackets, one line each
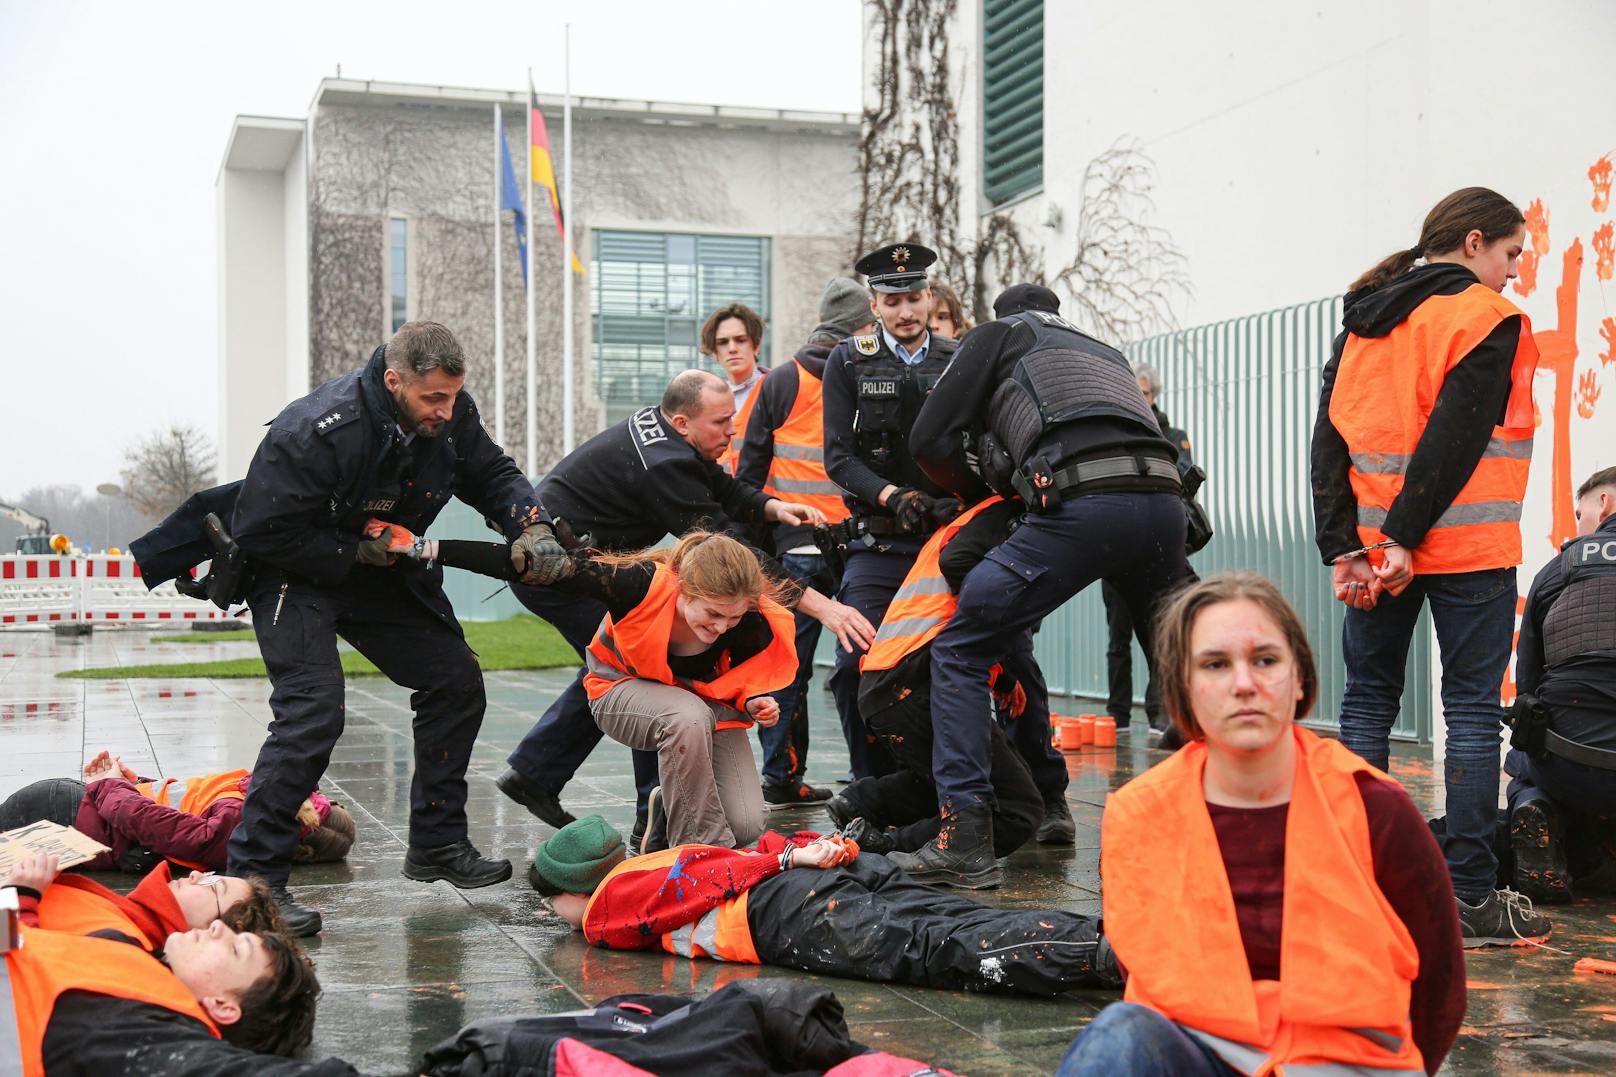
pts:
[908, 507]
[538, 558]
[942, 510]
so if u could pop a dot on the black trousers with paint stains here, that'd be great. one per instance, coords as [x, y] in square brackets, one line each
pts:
[414, 647]
[869, 921]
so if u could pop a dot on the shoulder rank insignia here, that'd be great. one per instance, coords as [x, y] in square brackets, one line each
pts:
[333, 419]
[867, 345]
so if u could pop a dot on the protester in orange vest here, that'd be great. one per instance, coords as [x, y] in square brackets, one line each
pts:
[1420, 457]
[158, 906]
[814, 904]
[1275, 901]
[208, 1002]
[733, 336]
[188, 821]
[897, 812]
[784, 455]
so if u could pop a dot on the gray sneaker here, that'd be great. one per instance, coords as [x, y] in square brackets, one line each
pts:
[1503, 918]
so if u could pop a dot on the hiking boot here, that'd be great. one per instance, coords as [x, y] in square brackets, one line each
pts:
[960, 855]
[459, 864]
[792, 794]
[1503, 918]
[541, 802]
[842, 811]
[870, 838]
[1058, 827]
[300, 920]
[1537, 838]
[656, 825]
[1105, 963]
[1167, 739]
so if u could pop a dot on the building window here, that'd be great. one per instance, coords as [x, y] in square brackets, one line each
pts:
[398, 306]
[1012, 97]
[649, 294]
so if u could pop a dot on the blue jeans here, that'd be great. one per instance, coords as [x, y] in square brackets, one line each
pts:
[785, 744]
[1474, 615]
[1134, 540]
[1131, 1039]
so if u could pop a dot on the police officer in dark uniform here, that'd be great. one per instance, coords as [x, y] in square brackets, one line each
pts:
[1564, 743]
[392, 442]
[1056, 416]
[653, 474]
[874, 387]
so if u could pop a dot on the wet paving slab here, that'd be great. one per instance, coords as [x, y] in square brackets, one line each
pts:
[405, 964]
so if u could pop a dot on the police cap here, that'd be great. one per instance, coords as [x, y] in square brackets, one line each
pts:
[1020, 297]
[897, 268]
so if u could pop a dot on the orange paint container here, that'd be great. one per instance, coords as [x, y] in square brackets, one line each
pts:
[1086, 724]
[1105, 731]
[1071, 734]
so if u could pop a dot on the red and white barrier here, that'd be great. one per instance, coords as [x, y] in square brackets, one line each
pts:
[88, 589]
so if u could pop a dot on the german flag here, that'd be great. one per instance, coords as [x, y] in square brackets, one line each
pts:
[544, 169]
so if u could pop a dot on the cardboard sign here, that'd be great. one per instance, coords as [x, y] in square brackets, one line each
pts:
[50, 838]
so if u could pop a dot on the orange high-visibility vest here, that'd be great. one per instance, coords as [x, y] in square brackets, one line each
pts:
[75, 905]
[1384, 391]
[732, 455]
[50, 963]
[798, 471]
[722, 933]
[923, 603]
[1348, 960]
[200, 794]
[637, 646]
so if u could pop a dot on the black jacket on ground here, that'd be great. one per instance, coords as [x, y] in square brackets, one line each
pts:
[957, 412]
[776, 397]
[638, 480]
[1581, 692]
[336, 458]
[1470, 403]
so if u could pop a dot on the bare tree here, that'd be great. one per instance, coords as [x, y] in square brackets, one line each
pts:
[166, 468]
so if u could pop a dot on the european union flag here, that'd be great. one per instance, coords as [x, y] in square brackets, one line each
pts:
[510, 198]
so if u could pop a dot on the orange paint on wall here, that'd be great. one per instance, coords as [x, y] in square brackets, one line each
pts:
[1557, 353]
[1607, 329]
[1599, 175]
[1587, 394]
[1605, 249]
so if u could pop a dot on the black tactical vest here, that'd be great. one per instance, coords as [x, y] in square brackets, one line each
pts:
[1582, 620]
[888, 396]
[1065, 376]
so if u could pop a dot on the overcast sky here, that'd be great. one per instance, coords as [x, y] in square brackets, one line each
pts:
[114, 118]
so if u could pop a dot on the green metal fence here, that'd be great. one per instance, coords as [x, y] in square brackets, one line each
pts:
[1246, 391]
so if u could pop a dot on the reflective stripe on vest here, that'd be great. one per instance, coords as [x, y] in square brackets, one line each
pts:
[1348, 960]
[47, 964]
[797, 472]
[1385, 390]
[923, 603]
[199, 793]
[637, 646]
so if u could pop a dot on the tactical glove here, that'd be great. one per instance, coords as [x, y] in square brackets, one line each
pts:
[538, 558]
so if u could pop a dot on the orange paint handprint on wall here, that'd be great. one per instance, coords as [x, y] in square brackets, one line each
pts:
[1599, 175]
[1587, 394]
[1605, 249]
[1537, 226]
[1525, 273]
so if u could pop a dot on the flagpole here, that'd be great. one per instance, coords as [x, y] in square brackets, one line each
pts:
[499, 288]
[533, 286]
[566, 246]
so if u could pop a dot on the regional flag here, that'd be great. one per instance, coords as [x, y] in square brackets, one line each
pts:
[544, 170]
[510, 200]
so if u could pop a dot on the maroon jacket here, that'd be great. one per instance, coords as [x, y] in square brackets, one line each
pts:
[114, 813]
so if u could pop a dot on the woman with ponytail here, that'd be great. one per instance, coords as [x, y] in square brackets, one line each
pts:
[694, 640]
[1419, 464]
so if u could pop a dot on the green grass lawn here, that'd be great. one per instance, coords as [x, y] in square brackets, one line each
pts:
[519, 642]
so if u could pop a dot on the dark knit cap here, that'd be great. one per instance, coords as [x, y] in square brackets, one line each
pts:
[844, 305]
[580, 854]
[1020, 297]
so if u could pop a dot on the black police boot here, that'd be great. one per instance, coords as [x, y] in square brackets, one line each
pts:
[459, 863]
[1537, 838]
[1105, 963]
[138, 860]
[791, 794]
[842, 811]
[541, 802]
[960, 855]
[1058, 827]
[870, 838]
[300, 920]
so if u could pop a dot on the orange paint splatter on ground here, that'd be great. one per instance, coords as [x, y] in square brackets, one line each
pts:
[1599, 176]
[1587, 394]
[1605, 248]
[1482, 985]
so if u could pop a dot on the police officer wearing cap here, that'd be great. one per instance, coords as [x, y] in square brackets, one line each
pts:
[875, 385]
[1057, 418]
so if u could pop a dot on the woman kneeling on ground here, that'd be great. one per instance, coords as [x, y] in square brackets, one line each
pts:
[1262, 847]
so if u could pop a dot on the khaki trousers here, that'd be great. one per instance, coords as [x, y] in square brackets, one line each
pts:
[710, 786]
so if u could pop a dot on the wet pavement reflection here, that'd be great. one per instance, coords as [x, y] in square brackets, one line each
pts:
[405, 964]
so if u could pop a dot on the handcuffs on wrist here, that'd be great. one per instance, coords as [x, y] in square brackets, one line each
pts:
[1362, 551]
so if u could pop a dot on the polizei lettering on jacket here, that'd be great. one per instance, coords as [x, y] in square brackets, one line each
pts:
[648, 427]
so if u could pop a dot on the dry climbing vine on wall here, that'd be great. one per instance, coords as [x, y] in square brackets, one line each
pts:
[1125, 274]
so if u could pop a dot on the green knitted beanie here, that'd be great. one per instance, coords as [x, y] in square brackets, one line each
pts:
[580, 854]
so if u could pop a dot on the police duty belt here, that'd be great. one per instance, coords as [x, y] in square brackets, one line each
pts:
[1073, 478]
